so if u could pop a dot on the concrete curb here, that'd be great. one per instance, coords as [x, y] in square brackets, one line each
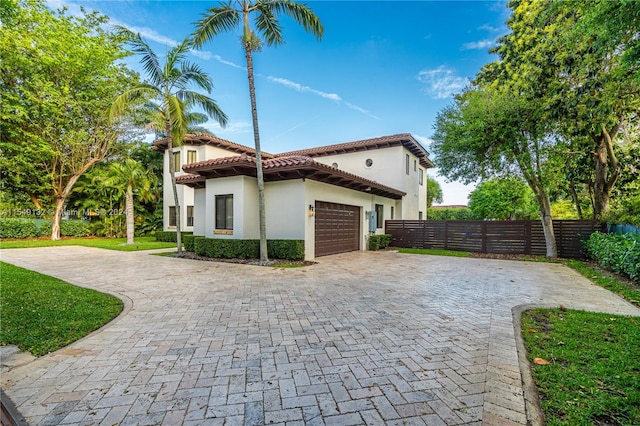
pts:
[535, 417]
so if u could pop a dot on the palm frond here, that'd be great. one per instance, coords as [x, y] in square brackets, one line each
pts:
[176, 56]
[177, 119]
[207, 104]
[217, 20]
[192, 73]
[149, 60]
[139, 94]
[300, 13]
[267, 24]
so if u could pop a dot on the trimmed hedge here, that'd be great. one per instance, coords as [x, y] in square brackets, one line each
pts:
[170, 236]
[30, 228]
[286, 249]
[220, 248]
[618, 253]
[188, 241]
[377, 242]
[18, 228]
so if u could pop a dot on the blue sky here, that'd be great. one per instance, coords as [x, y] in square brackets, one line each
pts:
[381, 68]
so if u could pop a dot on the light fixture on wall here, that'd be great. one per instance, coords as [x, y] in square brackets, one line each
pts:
[312, 210]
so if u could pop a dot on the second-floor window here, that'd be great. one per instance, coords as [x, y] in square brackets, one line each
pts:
[421, 177]
[176, 161]
[406, 160]
[191, 156]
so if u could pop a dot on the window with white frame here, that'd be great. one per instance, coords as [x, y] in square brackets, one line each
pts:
[379, 216]
[176, 161]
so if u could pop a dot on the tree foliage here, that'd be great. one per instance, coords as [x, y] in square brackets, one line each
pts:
[504, 198]
[59, 75]
[434, 192]
[171, 88]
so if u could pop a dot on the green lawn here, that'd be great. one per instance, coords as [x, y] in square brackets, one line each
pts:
[594, 371]
[41, 314]
[141, 243]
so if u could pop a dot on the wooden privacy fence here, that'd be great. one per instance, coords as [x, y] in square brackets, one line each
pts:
[501, 237]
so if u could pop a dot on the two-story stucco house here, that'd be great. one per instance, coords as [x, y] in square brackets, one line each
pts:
[332, 197]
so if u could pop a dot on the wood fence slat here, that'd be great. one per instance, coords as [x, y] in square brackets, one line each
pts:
[500, 237]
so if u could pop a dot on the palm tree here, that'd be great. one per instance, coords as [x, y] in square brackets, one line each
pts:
[169, 85]
[124, 177]
[225, 17]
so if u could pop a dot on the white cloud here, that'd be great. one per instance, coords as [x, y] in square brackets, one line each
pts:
[300, 88]
[229, 63]
[331, 96]
[489, 28]
[479, 45]
[442, 82]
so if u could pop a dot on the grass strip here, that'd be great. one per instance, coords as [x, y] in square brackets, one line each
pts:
[41, 314]
[593, 370]
[611, 283]
[141, 243]
[435, 252]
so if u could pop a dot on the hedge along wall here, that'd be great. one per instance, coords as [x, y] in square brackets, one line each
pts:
[219, 248]
[171, 236]
[31, 228]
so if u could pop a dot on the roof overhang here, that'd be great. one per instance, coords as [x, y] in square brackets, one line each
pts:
[404, 139]
[282, 168]
[207, 139]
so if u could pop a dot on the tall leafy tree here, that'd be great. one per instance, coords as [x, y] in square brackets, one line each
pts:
[490, 132]
[266, 28]
[580, 60]
[129, 178]
[59, 74]
[169, 86]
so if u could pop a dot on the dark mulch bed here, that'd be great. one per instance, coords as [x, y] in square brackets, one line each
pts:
[255, 262]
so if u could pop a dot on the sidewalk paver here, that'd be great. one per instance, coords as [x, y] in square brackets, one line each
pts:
[359, 338]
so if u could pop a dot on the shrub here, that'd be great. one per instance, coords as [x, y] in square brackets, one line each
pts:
[68, 228]
[286, 249]
[200, 245]
[222, 248]
[377, 242]
[170, 236]
[17, 228]
[188, 241]
[618, 253]
[449, 214]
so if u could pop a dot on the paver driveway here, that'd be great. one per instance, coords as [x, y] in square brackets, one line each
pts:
[360, 338]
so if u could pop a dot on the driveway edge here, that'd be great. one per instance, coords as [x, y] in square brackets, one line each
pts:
[535, 417]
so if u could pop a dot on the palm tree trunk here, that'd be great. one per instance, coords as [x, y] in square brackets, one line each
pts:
[264, 257]
[176, 200]
[128, 201]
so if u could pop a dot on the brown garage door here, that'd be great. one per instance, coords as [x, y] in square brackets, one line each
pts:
[337, 228]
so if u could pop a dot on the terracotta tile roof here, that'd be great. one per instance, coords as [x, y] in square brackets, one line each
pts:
[284, 168]
[404, 139]
[206, 139]
[194, 181]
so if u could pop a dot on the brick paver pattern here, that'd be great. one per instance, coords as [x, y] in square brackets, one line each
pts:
[359, 338]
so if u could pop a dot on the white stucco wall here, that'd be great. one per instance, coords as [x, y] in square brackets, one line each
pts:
[185, 194]
[286, 209]
[200, 212]
[245, 210]
[388, 168]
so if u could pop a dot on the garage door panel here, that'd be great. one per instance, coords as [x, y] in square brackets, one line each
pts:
[337, 228]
